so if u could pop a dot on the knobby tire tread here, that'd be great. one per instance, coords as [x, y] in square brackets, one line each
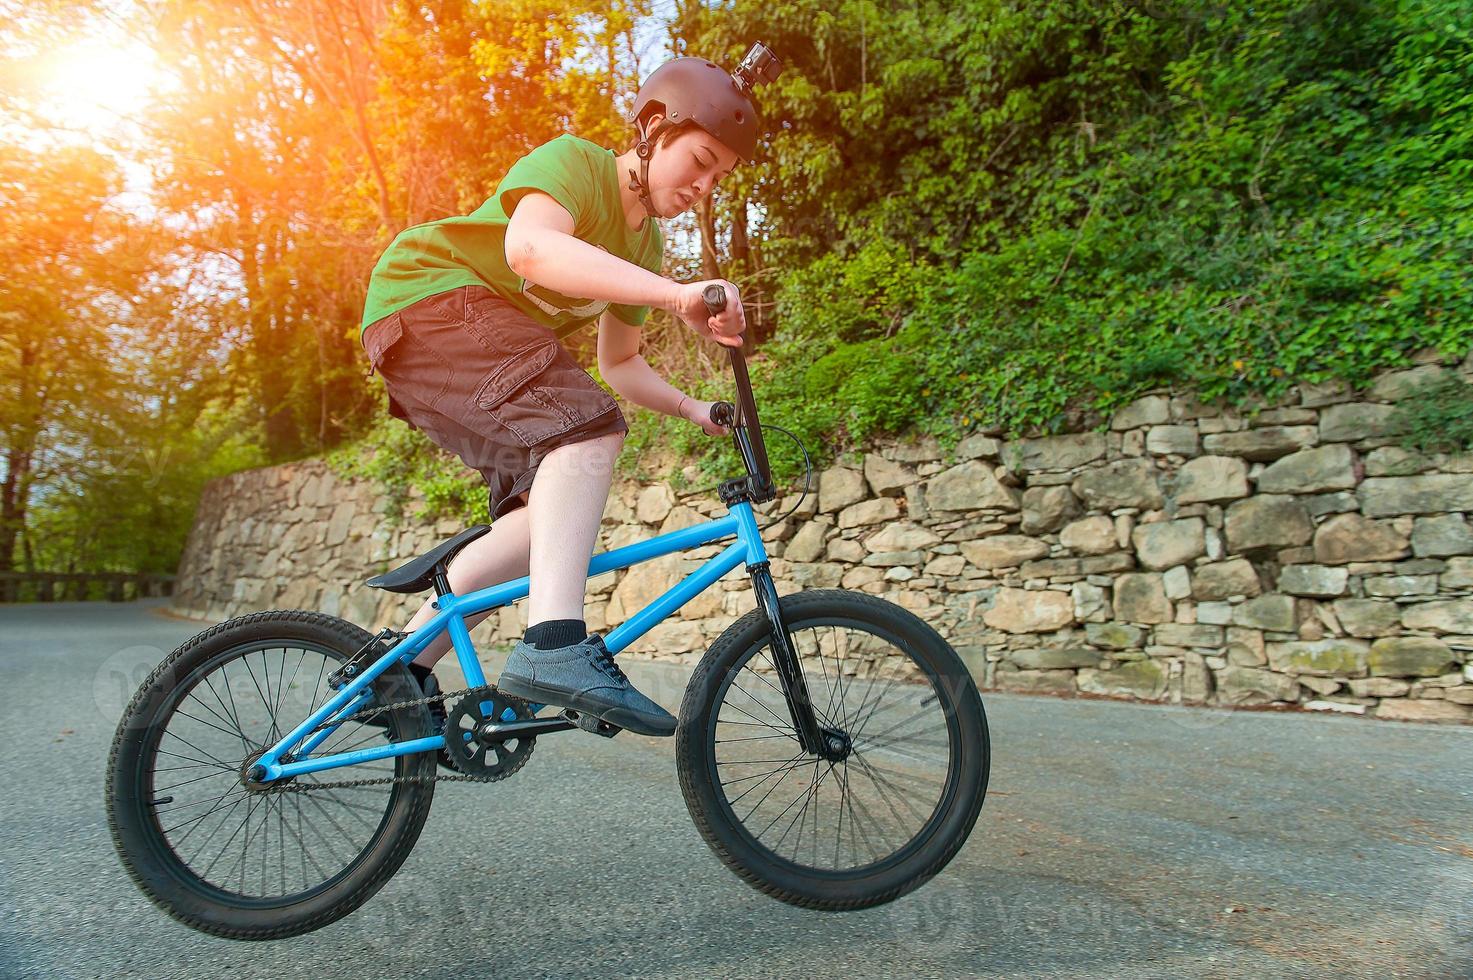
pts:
[388, 865]
[692, 770]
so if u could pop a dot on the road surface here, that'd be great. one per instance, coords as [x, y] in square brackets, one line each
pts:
[1118, 840]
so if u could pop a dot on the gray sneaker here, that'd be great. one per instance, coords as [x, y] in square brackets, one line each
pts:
[583, 677]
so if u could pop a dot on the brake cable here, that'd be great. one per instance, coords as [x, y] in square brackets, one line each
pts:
[807, 474]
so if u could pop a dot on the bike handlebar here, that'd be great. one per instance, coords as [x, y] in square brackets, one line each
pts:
[741, 417]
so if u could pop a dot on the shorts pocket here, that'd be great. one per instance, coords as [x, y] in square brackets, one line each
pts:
[380, 336]
[541, 395]
[378, 341]
[514, 397]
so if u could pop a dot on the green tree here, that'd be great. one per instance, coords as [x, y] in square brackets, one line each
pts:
[64, 262]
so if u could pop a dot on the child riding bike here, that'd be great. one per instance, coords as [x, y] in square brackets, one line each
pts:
[463, 321]
[815, 713]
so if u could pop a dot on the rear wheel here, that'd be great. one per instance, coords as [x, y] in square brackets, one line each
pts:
[261, 861]
[912, 753]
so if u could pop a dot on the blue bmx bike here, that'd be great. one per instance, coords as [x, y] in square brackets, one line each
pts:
[275, 770]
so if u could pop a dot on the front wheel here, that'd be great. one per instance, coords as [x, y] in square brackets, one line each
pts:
[836, 833]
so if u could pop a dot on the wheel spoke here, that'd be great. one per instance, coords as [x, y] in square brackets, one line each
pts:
[863, 806]
[784, 811]
[752, 738]
[231, 836]
[208, 724]
[246, 663]
[755, 720]
[884, 784]
[854, 802]
[336, 748]
[229, 711]
[863, 718]
[798, 760]
[216, 763]
[765, 707]
[895, 750]
[807, 797]
[205, 874]
[233, 733]
[821, 715]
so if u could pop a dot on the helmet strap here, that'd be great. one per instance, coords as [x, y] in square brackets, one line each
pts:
[641, 183]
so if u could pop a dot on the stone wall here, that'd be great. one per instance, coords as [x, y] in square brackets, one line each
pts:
[1189, 554]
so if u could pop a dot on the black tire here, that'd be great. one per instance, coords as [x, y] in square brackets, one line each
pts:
[151, 852]
[720, 683]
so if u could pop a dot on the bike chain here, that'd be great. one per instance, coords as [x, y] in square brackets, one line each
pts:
[385, 780]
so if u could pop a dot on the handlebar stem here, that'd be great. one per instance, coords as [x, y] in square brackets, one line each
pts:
[746, 427]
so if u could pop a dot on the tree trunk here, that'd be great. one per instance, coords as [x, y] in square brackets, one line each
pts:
[19, 455]
[706, 219]
[740, 249]
[13, 501]
[268, 361]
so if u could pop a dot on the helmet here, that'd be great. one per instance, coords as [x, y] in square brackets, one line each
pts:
[694, 90]
[702, 92]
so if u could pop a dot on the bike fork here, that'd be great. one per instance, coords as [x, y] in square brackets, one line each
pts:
[795, 688]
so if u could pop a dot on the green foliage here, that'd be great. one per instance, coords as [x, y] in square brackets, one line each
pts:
[1100, 200]
[402, 462]
[1009, 213]
[871, 385]
[1438, 417]
[129, 503]
[1026, 214]
[146, 347]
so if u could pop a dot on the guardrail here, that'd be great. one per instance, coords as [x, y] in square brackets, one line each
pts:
[82, 586]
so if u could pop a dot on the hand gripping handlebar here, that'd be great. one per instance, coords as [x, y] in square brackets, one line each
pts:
[741, 417]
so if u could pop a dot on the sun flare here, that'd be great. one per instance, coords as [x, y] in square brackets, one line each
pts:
[94, 85]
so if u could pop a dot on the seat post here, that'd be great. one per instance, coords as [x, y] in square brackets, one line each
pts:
[440, 580]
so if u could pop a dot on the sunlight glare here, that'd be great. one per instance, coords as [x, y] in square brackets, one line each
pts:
[93, 86]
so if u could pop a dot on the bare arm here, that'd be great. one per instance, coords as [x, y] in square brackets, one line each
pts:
[620, 364]
[541, 248]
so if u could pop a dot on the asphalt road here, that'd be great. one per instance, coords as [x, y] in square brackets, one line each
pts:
[1118, 840]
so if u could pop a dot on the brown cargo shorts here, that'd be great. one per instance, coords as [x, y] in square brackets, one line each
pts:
[487, 382]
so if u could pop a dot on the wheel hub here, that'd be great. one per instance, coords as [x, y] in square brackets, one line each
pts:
[835, 745]
[253, 776]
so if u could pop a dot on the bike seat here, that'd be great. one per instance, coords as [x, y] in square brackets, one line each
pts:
[418, 574]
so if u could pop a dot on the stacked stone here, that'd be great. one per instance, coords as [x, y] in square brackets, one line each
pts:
[1189, 554]
[1197, 555]
[296, 536]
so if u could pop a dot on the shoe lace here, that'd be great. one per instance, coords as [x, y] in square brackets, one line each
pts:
[604, 661]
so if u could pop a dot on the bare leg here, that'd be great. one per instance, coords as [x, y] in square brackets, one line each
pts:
[566, 504]
[559, 525]
[494, 557]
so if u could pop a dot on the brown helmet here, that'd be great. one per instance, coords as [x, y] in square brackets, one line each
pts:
[694, 90]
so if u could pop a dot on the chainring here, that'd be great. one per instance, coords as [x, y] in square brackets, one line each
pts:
[487, 761]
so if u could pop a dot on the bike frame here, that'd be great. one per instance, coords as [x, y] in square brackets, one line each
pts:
[453, 609]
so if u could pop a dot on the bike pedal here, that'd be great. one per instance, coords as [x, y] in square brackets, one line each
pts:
[590, 723]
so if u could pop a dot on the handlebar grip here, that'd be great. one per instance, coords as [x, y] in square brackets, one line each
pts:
[715, 297]
[723, 413]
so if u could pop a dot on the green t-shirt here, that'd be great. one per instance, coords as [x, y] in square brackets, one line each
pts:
[469, 250]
